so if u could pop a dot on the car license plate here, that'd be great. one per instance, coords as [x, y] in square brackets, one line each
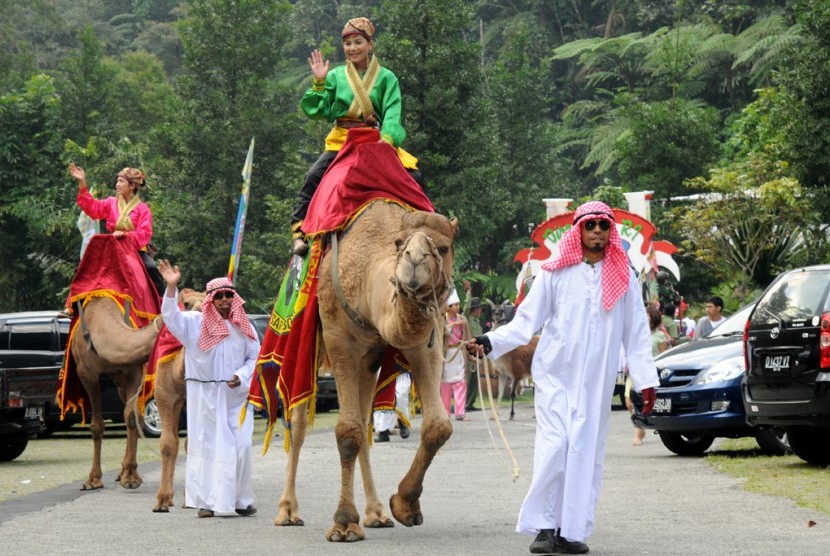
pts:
[662, 405]
[35, 412]
[777, 363]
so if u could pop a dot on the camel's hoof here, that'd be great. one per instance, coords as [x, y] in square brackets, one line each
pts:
[289, 522]
[92, 486]
[352, 533]
[408, 514]
[379, 523]
[131, 485]
[161, 510]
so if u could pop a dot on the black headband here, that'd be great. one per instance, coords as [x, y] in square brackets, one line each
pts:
[597, 213]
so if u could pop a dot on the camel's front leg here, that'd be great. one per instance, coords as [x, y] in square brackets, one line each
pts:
[129, 476]
[435, 431]
[288, 509]
[96, 427]
[351, 435]
[169, 448]
[375, 514]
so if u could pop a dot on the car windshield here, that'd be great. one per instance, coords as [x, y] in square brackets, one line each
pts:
[795, 297]
[734, 324]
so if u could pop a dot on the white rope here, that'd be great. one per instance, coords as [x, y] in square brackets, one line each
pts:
[515, 471]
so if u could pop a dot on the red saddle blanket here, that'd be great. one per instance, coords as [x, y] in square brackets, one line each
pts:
[365, 169]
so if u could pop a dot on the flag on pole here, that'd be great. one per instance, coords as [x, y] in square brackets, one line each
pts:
[236, 247]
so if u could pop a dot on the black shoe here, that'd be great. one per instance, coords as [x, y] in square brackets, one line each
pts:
[250, 510]
[204, 512]
[383, 436]
[545, 542]
[473, 409]
[570, 547]
[404, 430]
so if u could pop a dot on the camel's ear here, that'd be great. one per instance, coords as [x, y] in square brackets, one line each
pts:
[454, 226]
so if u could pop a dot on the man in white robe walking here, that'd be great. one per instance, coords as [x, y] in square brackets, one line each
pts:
[221, 349]
[587, 303]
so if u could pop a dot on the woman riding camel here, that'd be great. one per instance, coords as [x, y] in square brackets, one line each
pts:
[358, 94]
[127, 217]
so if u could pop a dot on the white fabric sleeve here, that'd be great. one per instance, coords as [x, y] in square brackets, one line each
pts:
[177, 320]
[246, 371]
[637, 339]
[534, 311]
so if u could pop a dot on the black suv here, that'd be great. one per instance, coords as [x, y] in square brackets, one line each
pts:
[787, 351]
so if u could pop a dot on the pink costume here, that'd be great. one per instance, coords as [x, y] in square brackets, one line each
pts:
[107, 209]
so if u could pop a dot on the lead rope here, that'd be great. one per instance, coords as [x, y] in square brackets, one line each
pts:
[515, 463]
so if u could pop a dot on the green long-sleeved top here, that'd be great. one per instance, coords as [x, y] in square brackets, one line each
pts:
[333, 101]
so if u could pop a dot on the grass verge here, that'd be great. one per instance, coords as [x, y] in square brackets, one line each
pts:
[786, 476]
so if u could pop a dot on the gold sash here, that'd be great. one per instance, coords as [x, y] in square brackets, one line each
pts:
[362, 104]
[124, 223]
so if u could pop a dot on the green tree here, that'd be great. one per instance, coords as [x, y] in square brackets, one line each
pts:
[227, 94]
[665, 145]
[748, 222]
[432, 46]
[36, 239]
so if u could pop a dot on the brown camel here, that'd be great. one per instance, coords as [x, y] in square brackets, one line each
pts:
[513, 367]
[394, 267]
[117, 351]
[170, 392]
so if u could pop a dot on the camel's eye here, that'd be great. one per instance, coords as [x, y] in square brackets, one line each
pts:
[398, 244]
[443, 250]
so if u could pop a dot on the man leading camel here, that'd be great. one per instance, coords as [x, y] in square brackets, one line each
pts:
[221, 349]
[587, 303]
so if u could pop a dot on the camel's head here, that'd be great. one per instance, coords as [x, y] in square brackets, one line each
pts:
[502, 314]
[425, 255]
[191, 299]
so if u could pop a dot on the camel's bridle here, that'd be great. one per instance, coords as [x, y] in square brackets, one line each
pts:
[426, 302]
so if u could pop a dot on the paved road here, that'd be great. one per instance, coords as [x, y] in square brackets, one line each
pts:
[652, 503]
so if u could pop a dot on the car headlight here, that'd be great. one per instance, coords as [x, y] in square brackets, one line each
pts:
[723, 370]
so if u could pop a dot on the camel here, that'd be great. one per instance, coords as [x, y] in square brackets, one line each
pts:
[170, 393]
[394, 268]
[118, 351]
[514, 367]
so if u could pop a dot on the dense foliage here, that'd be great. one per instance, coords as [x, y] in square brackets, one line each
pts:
[504, 104]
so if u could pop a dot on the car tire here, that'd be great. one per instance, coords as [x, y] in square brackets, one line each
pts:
[12, 445]
[152, 419]
[773, 441]
[810, 444]
[686, 444]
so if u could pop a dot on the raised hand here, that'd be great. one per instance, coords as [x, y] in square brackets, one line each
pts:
[77, 172]
[170, 273]
[319, 67]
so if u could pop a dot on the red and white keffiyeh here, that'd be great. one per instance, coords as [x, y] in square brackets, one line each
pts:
[615, 269]
[214, 329]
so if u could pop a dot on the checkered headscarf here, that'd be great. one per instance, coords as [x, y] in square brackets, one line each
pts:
[214, 329]
[615, 270]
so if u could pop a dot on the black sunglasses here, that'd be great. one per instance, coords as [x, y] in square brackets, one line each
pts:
[604, 225]
[223, 294]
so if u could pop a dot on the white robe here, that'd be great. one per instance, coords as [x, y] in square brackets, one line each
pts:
[218, 448]
[574, 371]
